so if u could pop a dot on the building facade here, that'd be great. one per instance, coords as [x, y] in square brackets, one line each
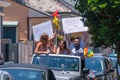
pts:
[17, 21]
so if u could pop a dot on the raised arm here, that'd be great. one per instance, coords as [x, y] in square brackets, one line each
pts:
[53, 36]
[54, 50]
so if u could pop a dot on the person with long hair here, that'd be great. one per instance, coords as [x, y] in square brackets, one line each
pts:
[52, 48]
[62, 49]
[46, 44]
[42, 44]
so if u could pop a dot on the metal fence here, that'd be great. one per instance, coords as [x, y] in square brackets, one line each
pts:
[18, 52]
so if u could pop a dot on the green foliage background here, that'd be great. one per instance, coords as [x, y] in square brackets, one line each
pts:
[103, 19]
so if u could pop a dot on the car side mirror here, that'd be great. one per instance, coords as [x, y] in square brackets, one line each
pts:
[114, 67]
[111, 70]
[85, 71]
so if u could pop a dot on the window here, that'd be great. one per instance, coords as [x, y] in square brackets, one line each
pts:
[58, 63]
[26, 74]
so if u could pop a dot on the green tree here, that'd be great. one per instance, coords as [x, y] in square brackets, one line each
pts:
[103, 19]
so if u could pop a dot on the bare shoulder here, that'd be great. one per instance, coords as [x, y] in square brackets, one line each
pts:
[39, 43]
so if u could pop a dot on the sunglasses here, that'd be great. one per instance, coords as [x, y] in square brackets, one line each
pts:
[44, 39]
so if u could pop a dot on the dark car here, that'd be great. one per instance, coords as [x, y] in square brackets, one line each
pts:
[113, 58]
[119, 69]
[99, 68]
[65, 67]
[28, 72]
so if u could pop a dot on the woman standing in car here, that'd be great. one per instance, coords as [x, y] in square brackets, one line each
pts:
[41, 47]
[46, 45]
[51, 47]
[62, 49]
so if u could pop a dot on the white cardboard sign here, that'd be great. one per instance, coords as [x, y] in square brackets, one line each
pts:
[39, 29]
[72, 25]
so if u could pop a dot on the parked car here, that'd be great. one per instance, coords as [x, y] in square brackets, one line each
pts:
[99, 68]
[4, 75]
[113, 61]
[113, 58]
[28, 72]
[119, 69]
[65, 67]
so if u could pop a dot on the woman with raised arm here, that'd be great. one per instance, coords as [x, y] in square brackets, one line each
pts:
[41, 47]
[45, 45]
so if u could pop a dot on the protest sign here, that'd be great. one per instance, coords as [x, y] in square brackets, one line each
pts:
[72, 25]
[39, 29]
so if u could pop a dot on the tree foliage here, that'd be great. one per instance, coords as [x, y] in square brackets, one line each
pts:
[103, 19]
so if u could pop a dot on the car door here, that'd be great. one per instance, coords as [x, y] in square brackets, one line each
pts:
[111, 70]
[107, 72]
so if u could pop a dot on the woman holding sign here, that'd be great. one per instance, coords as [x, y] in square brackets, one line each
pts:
[41, 47]
[45, 45]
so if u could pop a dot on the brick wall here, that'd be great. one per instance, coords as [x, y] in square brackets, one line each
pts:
[18, 12]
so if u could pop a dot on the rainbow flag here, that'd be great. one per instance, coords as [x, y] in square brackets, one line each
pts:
[88, 52]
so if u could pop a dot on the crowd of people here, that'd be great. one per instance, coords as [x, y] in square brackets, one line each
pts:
[46, 45]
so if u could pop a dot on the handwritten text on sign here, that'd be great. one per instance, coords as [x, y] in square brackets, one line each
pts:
[39, 29]
[72, 25]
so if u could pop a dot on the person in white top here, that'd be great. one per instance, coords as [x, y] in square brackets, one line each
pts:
[77, 50]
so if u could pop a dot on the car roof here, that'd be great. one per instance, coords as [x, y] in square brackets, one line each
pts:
[112, 55]
[33, 66]
[59, 55]
[97, 57]
[30, 66]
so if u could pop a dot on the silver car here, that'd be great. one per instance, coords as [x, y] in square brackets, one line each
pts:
[65, 67]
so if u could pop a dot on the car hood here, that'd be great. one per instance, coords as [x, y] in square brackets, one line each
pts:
[65, 75]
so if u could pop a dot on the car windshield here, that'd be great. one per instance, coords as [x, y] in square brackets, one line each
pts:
[58, 63]
[93, 64]
[26, 74]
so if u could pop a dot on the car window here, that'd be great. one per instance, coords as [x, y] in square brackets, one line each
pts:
[107, 64]
[24, 74]
[114, 61]
[58, 63]
[94, 64]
